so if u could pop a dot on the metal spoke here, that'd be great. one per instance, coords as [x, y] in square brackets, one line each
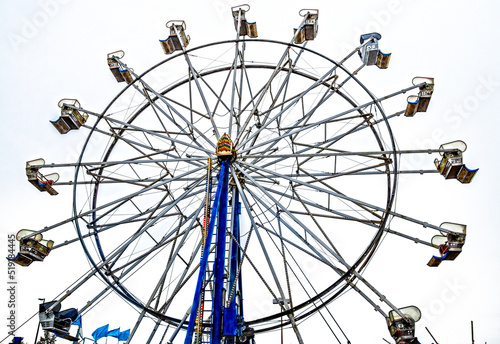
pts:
[296, 181]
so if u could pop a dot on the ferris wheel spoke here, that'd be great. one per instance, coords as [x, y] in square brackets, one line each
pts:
[145, 221]
[253, 228]
[246, 134]
[287, 107]
[290, 243]
[280, 158]
[350, 171]
[376, 155]
[294, 219]
[171, 108]
[196, 76]
[328, 83]
[150, 300]
[233, 85]
[169, 237]
[367, 207]
[312, 293]
[217, 96]
[269, 264]
[153, 133]
[311, 215]
[83, 214]
[280, 66]
[143, 155]
[162, 185]
[285, 305]
[381, 297]
[186, 107]
[95, 165]
[120, 250]
[254, 103]
[325, 146]
[282, 221]
[323, 121]
[161, 281]
[327, 190]
[168, 208]
[243, 76]
[277, 233]
[355, 201]
[99, 297]
[126, 181]
[136, 144]
[314, 251]
[375, 306]
[282, 89]
[98, 217]
[104, 227]
[335, 214]
[408, 237]
[150, 101]
[184, 277]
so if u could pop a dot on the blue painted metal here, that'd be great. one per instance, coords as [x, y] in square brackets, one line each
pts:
[230, 313]
[240, 280]
[220, 255]
[203, 264]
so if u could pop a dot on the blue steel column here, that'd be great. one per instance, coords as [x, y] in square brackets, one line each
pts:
[231, 313]
[220, 253]
[203, 264]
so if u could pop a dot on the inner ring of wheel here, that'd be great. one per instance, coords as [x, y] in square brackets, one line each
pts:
[391, 187]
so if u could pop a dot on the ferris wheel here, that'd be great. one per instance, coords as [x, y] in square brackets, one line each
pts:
[239, 171]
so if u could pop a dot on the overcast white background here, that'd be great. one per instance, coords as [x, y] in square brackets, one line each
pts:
[56, 49]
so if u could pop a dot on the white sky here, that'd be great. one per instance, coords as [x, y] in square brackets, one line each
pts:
[56, 49]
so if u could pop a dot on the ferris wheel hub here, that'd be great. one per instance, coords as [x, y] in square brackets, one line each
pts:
[225, 149]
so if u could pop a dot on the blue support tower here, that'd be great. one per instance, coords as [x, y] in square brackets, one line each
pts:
[226, 320]
[231, 312]
[220, 256]
[224, 171]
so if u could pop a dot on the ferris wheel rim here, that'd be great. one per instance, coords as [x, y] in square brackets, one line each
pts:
[366, 254]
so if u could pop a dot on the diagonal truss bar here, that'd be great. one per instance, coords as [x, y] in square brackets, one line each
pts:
[326, 120]
[169, 106]
[129, 196]
[296, 181]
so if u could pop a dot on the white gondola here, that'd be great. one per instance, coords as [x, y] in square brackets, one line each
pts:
[120, 74]
[403, 329]
[239, 16]
[370, 53]
[32, 248]
[309, 30]
[177, 39]
[451, 165]
[421, 102]
[38, 180]
[57, 321]
[449, 244]
[71, 118]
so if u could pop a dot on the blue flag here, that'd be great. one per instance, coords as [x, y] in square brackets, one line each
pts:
[114, 333]
[17, 340]
[78, 321]
[100, 332]
[124, 335]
